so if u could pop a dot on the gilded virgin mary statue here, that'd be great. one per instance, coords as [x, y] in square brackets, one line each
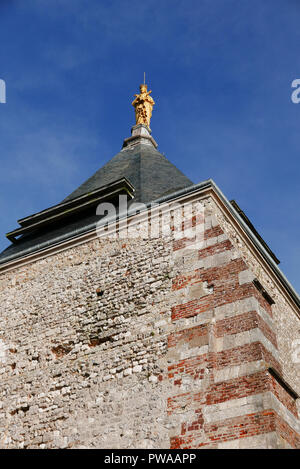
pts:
[143, 105]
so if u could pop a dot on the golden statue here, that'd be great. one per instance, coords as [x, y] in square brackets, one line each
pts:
[143, 105]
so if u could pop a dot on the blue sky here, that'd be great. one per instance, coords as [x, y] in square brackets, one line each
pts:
[221, 74]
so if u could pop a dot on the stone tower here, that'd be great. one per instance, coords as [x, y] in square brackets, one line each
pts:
[164, 323]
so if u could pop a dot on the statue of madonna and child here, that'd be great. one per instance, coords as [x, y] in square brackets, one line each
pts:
[143, 104]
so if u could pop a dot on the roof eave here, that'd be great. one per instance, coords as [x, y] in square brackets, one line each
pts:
[202, 186]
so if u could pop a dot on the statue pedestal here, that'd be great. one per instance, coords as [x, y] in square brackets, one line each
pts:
[140, 134]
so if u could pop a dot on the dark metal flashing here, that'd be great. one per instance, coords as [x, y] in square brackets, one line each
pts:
[70, 208]
[263, 292]
[252, 228]
[102, 191]
[283, 383]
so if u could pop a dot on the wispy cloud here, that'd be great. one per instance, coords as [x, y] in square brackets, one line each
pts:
[220, 73]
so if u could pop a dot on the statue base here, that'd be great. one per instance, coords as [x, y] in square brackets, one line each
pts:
[140, 134]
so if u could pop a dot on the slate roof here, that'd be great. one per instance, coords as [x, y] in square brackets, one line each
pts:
[150, 173]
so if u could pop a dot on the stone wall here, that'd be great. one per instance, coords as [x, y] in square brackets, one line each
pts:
[149, 343]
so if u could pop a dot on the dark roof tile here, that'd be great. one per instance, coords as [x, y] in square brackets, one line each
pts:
[151, 174]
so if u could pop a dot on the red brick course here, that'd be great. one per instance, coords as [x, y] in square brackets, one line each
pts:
[215, 249]
[183, 242]
[195, 367]
[253, 351]
[244, 322]
[236, 388]
[213, 232]
[188, 335]
[258, 423]
[221, 295]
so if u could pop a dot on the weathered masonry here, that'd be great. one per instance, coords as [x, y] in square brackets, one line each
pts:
[170, 341]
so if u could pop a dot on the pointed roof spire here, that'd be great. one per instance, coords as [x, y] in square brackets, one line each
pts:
[139, 169]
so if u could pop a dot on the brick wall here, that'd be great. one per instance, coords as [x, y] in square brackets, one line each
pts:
[236, 401]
